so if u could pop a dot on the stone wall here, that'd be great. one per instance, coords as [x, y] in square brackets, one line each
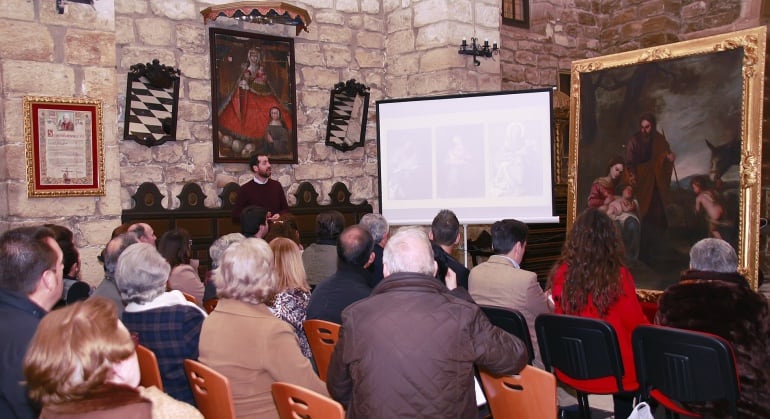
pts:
[44, 53]
[399, 48]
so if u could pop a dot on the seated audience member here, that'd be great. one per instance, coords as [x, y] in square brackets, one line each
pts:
[409, 349]
[445, 236]
[590, 279]
[30, 285]
[215, 253]
[174, 246]
[74, 288]
[144, 233]
[242, 340]
[379, 228]
[713, 297]
[165, 322]
[320, 258]
[284, 226]
[292, 291]
[254, 221]
[82, 363]
[107, 288]
[351, 281]
[501, 282]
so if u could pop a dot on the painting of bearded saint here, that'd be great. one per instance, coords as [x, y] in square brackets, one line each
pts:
[660, 166]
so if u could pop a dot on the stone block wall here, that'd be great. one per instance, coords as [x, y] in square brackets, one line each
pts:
[44, 53]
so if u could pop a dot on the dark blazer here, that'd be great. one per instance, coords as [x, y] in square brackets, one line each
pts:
[348, 285]
[20, 317]
[444, 261]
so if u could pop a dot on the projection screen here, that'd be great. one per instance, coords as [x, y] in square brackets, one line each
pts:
[485, 156]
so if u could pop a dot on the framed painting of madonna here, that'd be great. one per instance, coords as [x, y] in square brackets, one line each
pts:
[253, 94]
[667, 140]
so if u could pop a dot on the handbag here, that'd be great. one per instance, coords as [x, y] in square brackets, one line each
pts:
[641, 411]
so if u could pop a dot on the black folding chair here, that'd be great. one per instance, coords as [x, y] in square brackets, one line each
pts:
[580, 349]
[677, 366]
[513, 322]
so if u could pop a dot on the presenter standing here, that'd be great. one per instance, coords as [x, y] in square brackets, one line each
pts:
[261, 191]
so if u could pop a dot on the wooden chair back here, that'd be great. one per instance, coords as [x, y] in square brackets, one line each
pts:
[322, 337]
[148, 368]
[529, 395]
[191, 298]
[293, 401]
[210, 305]
[211, 390]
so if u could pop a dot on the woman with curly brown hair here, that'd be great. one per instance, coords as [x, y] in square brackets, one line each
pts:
[590, 279]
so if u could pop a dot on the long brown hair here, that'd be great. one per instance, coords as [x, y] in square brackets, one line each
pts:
[594, 254]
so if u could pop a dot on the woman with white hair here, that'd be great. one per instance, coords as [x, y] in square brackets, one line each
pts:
[165, 322]
[244, 341]
[82, 363]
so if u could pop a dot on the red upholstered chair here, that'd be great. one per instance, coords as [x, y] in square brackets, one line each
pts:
[583, 353]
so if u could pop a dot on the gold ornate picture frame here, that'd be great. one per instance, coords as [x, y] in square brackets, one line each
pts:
[685, 122]
[64, 146]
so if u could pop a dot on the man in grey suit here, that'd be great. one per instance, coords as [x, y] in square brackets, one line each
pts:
[501, 282]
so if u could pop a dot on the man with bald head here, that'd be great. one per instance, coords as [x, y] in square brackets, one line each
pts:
[108, 288]
[350, 282]
[409, 349]
[144, 233]
[31, 282]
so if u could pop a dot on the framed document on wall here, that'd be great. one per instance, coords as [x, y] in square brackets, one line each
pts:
[64, 146]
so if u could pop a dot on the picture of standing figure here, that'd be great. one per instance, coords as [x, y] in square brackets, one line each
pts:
[276, 134]
[246, 113]
[253, 94]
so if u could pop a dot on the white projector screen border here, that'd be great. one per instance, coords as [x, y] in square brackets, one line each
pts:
[485, 156]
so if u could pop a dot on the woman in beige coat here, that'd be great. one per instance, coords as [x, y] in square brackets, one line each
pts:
[244, 341]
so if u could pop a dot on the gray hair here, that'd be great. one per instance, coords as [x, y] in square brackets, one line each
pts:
[220, 245]
[246, 272]
[409, 250]
[713, 255]
[377, 225]
[141, 274]
[112, 252]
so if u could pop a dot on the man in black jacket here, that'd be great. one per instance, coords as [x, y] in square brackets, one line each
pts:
[445, 236]
[351, 281]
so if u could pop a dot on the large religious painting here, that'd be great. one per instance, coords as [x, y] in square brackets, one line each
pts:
[667, 141]
[253, 96]
[64, 146]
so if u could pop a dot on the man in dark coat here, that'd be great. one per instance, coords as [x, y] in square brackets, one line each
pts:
[445, 236]
[712, 297]
[31, 272]
[351, 281]
[409, 349]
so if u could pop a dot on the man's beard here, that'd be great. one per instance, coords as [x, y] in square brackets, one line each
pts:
[265, 174]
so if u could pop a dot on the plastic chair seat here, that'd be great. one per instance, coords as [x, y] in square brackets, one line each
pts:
[211, 390]
[293, 401]
[322, 336]
[677, 366]
[148, 368]
[513, 322]
[530, 394]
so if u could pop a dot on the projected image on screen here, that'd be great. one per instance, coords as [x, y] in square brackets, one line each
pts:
[484, 156]
[459, 160]
[406, 179]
